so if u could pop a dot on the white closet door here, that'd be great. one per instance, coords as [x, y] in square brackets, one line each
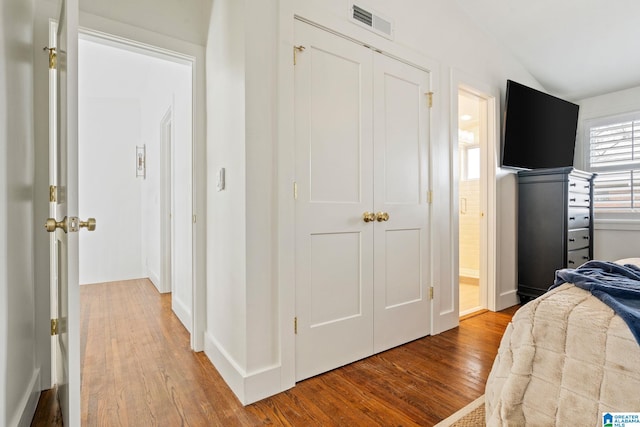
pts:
[361, 129]
[401, 259]
[334, 175]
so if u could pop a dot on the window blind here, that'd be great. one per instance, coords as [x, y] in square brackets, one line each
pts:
[614, 154]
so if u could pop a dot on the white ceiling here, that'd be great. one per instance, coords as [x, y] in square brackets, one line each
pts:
[574, 48]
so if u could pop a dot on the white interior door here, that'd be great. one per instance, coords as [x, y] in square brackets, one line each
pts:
[65, 224]
[334, 160]
[362, 261]
[401, 239]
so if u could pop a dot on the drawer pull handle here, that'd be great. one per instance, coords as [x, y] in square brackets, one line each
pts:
[572, 240]
[586, 217]
[571, 262]
[573, 184]
[585, 237]
[585, 257]
[572, 218]
[572, 200]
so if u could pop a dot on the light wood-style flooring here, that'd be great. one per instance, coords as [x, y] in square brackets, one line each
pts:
[138, 370]
[469, 297]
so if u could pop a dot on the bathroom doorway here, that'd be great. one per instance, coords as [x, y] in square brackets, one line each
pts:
[472, 147]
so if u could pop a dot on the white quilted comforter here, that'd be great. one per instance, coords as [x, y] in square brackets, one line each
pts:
[564, 360]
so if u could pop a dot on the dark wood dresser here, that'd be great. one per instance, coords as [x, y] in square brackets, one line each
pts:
[555, 226]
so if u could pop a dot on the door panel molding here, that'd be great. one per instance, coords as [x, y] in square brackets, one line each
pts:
[334, 246]
[342, 286]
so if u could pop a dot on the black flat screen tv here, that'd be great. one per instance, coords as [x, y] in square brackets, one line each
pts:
[539, 129]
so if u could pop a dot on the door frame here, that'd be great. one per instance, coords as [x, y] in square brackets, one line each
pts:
[166, 202]
[198, 289]
[53, 286]
[489, 156]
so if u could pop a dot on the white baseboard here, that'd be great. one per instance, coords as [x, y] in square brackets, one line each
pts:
[468, 272]
[227, 368]
[25, 410]
[155, 279]
[182, 311]
[507, 299]
[248, 388]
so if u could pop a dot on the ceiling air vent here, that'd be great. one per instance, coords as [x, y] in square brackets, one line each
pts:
[372, 21]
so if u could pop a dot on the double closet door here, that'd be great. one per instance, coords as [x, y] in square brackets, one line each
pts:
[362, 216]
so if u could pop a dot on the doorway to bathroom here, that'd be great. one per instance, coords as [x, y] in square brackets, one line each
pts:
[472, 147]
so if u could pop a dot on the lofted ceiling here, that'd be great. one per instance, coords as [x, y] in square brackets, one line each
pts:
[574, 48]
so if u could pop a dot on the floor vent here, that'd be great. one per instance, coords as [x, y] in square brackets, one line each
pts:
[372, 21]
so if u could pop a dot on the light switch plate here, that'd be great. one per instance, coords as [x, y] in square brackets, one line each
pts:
[220, 184]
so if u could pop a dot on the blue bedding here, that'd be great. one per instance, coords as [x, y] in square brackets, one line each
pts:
[616, 285]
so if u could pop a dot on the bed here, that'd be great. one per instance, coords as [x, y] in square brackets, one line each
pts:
[565, 359]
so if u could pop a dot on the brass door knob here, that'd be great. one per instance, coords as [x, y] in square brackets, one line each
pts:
[369, 217]
[69, 224]
[382, 216]
[89, 224]
[51, 224]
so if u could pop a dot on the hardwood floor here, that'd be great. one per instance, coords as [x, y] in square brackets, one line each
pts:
[48, 411]
[138, 370]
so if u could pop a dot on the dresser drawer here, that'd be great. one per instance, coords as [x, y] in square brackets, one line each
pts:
[579, 185]
[578, 239]
[577, 258]
[579, 199]
[578, 218]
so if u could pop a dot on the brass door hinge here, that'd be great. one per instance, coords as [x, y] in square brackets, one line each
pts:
[295, 325]
[430, 98]
[295, 190]
[54, 327]
[53, 60]
[431, 293]
[429, 196]
[297, 49]
[53, 196]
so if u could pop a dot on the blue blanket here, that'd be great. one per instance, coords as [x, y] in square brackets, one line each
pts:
[616, 285]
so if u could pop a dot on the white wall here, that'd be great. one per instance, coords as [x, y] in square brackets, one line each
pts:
[250, 251]
[109, 130]
[616, 235]
[183, 20]
[226, 332]
[19, 372]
